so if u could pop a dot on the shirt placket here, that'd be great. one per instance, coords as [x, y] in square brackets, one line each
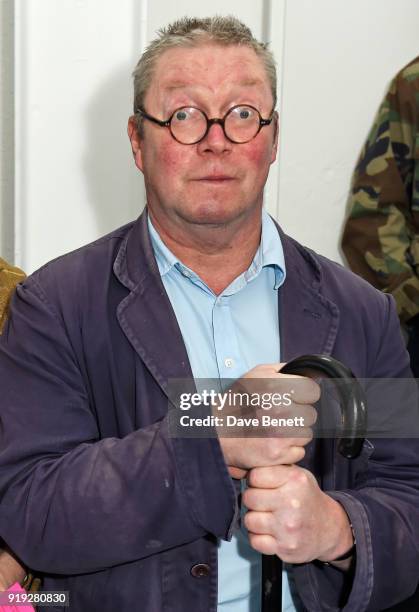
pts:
[226, 345]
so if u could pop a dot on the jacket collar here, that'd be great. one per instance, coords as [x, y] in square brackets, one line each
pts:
[308, 320]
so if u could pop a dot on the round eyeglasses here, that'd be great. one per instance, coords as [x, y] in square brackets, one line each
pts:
[189, 125]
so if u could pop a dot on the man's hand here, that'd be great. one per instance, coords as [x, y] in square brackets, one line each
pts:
[10, 570]
[242, 454]
[289, 516]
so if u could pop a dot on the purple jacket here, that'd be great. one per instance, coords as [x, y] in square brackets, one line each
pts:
[96, 494]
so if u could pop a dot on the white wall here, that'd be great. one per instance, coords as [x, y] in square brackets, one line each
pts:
[339, 57]
[74, 174]
[75, 179]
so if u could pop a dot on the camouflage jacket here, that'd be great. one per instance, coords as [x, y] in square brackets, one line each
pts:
[9, 278]
[381, 233]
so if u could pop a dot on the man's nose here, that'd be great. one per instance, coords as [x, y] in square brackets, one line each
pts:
[215, 140]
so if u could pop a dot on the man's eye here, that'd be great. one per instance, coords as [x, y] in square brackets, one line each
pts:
[244, 113]
[181, 115]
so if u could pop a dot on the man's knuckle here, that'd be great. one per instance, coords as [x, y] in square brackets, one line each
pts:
[289, 548]
[301, 477]
[293, 525]
[293, 473]
[274, 450]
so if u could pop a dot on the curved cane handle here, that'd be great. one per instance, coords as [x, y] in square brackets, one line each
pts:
[353, 404]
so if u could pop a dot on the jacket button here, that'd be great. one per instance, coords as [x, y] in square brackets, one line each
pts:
[200, 570]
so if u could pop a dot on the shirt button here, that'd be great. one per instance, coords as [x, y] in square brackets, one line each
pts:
[200, 570]
[229, 363]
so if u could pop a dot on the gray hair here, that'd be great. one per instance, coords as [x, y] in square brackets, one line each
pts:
[192, 32]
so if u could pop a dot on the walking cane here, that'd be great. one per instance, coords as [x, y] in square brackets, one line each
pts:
[354, 424]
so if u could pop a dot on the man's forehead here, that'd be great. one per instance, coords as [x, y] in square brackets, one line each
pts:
[184, 67]
[189, 81]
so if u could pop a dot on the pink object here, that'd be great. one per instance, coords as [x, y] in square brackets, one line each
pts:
[15, 588]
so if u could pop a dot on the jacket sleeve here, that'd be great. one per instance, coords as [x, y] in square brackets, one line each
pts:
[380, 237]
[382, 503]
[72, 502]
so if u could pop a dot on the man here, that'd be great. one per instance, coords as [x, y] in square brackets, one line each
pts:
[97, 494]
[380, 238]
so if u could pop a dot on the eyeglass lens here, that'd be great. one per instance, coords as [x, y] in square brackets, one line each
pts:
[189, 124]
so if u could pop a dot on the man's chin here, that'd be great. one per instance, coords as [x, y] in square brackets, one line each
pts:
[212, 215]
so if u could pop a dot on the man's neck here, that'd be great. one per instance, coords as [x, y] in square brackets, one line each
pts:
[217, 254]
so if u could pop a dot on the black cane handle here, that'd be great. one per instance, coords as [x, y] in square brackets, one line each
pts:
[352, 398]
[354, 424]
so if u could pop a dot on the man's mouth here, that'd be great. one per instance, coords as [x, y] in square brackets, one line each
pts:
[216, 178]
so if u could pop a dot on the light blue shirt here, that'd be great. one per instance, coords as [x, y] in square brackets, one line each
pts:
[225, 337]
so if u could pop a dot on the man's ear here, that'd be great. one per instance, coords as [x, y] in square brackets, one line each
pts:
[275, 121]
[136, 142]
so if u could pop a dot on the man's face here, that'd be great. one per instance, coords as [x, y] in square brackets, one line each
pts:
[214, 181]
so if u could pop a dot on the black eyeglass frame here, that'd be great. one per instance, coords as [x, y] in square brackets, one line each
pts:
[216, 120]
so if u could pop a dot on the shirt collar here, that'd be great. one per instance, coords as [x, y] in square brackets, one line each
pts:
[269, 253]
[166, 260]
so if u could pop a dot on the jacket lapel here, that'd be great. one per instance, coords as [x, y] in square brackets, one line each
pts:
[146, 315]
[308, 320]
